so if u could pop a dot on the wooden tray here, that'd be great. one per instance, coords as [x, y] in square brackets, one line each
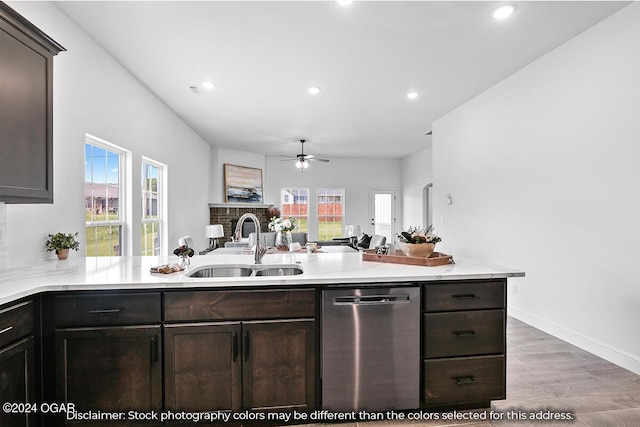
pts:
[434, 260]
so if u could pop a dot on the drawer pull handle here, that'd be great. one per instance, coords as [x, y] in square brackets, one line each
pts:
[6, 329]
[465, 380]
[466, 334]
[465, 297]
[105, 311]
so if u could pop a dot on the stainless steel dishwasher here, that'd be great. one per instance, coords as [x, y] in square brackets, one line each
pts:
[371, 348]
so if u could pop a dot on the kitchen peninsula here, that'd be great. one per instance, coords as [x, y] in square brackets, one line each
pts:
[170, 342]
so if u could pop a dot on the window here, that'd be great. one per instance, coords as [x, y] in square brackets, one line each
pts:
[152, 194]
[104, 197]
[295, 204]
[330, 213]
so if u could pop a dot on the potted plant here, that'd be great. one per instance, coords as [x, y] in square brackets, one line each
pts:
[418, 242]
[61, 243]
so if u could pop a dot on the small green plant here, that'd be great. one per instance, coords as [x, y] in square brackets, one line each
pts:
[62, 241]
[418, 235]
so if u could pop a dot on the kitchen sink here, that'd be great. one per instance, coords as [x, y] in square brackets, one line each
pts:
[245, 270]
[279, 270]
[221, 271]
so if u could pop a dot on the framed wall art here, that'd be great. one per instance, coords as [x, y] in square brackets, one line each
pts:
[242, 184]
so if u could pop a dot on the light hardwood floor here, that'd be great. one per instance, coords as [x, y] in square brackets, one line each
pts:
[545, 373]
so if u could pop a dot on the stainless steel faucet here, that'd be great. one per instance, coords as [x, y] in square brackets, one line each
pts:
[260, 250]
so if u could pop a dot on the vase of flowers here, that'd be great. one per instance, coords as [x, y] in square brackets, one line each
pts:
[418, 242]
[184, 252]
[61, 243]
[283, 229]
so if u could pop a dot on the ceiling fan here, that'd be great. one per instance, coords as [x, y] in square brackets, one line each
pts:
[302, 160]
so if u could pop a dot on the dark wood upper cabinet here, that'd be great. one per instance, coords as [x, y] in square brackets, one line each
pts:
[26, 104]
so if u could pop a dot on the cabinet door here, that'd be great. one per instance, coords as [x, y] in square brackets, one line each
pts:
[114, 369]
[203, 367]
[26, 94]
[279, 365]
[17, 381]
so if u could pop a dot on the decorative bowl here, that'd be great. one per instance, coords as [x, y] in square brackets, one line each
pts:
[420, 250]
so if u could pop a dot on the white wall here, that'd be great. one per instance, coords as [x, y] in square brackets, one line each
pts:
[417, 171]
[222, 155]
[543, 170]
[356, 176]
[94, 94]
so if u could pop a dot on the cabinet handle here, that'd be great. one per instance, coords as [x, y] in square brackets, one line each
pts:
[6, 329]
[154, 349]
[234, 346]
[246, 346]
[105, 311]
[465, 297]
[470, 379]
[466, 334]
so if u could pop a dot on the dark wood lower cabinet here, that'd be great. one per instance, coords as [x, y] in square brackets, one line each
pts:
[109, 369]
[17, 383]
[203, 367]
[279, 365]
[233, 366]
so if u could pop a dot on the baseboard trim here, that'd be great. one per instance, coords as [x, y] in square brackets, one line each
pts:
[599, 348]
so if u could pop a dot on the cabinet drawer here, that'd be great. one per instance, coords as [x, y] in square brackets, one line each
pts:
[465, 296]
[229, 305]
[107, 309]
[464, 333]
[16, 321]
[464, 380]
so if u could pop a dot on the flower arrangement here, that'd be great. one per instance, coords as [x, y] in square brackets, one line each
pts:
[417, 235]
[184, 251]
[60, 241]
[282, 225]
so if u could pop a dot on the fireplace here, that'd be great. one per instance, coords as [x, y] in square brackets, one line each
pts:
[228, 215]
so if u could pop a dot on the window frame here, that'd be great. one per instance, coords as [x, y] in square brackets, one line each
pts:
[160, 208]
[319, 217]
[285, 191]
[123, 206]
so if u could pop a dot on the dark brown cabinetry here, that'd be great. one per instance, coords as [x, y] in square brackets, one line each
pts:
[108, 352]
[26, 103]
[255, 356]
[17, 363]
[464, 343]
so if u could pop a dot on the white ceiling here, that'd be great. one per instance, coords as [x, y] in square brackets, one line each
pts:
[366, 56]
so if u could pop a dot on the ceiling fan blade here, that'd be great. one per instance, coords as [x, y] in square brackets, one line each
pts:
[317, 159]
[307, 156]
[289, 160]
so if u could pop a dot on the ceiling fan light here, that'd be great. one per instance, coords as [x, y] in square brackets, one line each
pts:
[314, 90]
[208, 85]
[305, 164]
[412, 95]
[299, 163]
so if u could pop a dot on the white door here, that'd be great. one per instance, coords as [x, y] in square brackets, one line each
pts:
[383, 213]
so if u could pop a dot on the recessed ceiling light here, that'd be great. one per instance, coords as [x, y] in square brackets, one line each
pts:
[503, 12]
[208, 85]
[412, 95]
[344, 2]
[314, 90]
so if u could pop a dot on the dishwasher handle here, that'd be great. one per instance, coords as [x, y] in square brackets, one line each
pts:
[371, 300]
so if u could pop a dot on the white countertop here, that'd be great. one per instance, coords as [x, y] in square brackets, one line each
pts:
[109, 273]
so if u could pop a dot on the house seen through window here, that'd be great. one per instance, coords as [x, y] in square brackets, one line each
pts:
[295, 204]
[104, 201]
